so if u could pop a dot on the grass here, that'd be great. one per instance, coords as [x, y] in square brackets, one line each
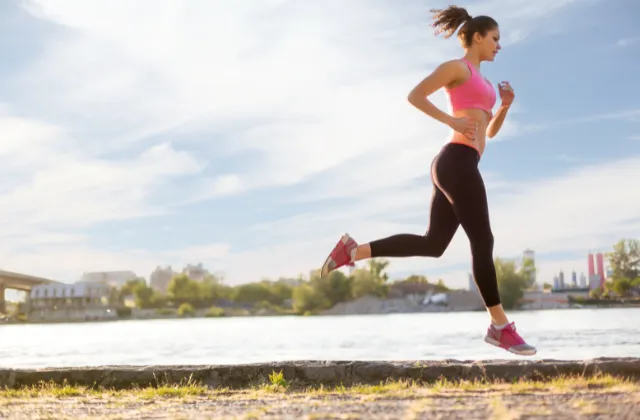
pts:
[275, 396]
[277, 384]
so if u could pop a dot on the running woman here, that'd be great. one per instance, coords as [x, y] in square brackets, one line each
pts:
[459, 195]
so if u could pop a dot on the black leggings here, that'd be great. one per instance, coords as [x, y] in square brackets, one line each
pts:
[459, 198]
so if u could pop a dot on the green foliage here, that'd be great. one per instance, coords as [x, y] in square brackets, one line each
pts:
[186, 310]
[215, 312]
[414, 279]
[323, 293]
[621, 286]
[183, 289]
[511, 283]
[165, 311]
[253, 293]
[624, 260]
[528, 271]
[441, 287]
[371, 280]
[335, 287]
[307, 300]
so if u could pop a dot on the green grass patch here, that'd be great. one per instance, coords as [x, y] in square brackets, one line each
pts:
[277, 384]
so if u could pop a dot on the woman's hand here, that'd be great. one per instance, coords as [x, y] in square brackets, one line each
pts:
[465, 126]
[506, 93]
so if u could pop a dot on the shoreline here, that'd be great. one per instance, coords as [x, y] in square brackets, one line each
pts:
[325, 373]
[176, 317]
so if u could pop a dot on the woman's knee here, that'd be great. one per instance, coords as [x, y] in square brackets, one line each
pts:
[434, 247]
[482, 242]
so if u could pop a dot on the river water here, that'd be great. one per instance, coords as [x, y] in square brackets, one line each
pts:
[561, 334]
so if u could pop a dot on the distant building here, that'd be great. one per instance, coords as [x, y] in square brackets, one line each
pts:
[595, 281]
[561, 279]
[600, 267]
[529, 255]
[160, 278]
[473, 287]
[69, 302]
[195, 272]
[533, 299]
[116, 279]
[583, 280]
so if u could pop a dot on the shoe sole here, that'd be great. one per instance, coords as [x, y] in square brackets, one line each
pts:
[495, 343]
[325, 267]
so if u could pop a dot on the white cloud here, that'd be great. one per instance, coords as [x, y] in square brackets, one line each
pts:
[319, 91]
[587, 208]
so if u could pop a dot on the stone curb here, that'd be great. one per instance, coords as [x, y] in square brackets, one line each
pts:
[328, 373]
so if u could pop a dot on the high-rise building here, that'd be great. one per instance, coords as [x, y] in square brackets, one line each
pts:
[528, 255]
[556, 282]
[195, 272]
[583, 280]
[594, 281]
[561, 279]
[600, 265]
[112, 278]
[591, 265]
[160, 279]
[472, 284]
[574, 278]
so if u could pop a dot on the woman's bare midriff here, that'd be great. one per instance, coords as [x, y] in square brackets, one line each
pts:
[479, 116]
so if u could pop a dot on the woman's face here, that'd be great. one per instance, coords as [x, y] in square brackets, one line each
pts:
[489, 45]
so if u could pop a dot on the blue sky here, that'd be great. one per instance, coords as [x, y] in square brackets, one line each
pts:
[250, 135]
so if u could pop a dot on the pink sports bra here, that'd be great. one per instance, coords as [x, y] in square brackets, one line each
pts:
[475, 92]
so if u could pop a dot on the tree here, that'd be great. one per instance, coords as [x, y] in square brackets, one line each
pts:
[625, 259]
[377, 266]
[144, 296]
[335, 287]
[212, 289]
[366, 283]
[441, 287]
[414, 279]
[130, 286]
[528, 270]
[283, 291]
[253, 293]
[621, 286]
[306, 299]
[547, 286]
[511, 283]
[183, 289]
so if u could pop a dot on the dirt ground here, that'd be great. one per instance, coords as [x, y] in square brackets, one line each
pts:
[614, 402]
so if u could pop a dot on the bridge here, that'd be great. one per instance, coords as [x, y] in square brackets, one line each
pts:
[17, 281]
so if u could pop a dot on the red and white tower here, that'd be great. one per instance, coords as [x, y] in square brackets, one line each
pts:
[591, 265]
[600, 263]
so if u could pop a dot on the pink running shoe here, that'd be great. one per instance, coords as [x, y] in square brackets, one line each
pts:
[340, 256]
[508, 339]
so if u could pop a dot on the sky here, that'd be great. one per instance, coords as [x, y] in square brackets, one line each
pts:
[250, 135]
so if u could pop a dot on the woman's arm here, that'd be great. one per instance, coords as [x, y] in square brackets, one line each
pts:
[507, 95]
[496, 122]
[445, 74]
